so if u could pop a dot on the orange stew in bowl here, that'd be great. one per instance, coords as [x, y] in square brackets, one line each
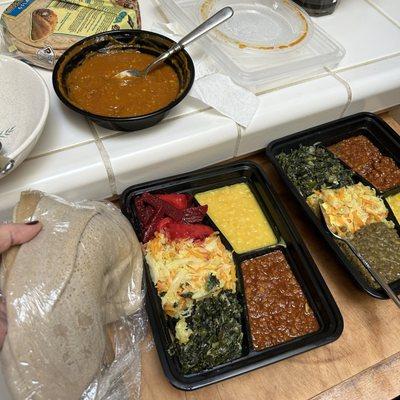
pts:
[93, 86]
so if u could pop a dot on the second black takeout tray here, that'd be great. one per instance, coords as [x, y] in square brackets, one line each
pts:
[301, 263]
[381, 135]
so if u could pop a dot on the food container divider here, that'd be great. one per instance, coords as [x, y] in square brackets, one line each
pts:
[380, 134]
[309, 291]
[392, 217]
[305, 270]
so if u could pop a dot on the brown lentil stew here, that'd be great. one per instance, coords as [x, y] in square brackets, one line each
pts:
[380, 245]
[278, 311]
[93, 86]
[365, 158]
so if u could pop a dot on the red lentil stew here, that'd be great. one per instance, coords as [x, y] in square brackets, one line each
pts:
[278, 310]
[361, 155]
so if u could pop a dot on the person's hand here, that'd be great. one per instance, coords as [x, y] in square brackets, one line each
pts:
[10, 235]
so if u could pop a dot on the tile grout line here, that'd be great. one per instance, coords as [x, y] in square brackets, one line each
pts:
[387, 16]
[59, 150]
[164, 121]
[105, 158]
[368, 62]
[238, 140]
[285, 86]
[348, 90]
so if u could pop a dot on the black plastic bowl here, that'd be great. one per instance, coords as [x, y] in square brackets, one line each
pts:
[144, 41]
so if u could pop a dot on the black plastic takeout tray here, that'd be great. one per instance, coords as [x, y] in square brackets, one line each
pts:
[303, 267]
[381, 135]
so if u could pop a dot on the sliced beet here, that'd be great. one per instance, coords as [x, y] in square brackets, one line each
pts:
[177, 200]
[194, 215]
[187, 231]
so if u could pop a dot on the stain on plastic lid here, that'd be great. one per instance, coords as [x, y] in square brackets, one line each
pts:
[271, 25]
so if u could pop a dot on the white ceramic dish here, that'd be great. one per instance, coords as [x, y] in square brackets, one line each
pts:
[24, 106]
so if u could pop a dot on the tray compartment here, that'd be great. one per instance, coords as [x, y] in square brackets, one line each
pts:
[308, 290]
[391, 216]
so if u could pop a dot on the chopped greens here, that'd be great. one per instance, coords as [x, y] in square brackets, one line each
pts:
[216, 333]
[212, 282]
[313, 167]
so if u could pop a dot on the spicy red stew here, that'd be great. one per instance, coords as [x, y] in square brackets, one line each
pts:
[365, 158]
[277, 308]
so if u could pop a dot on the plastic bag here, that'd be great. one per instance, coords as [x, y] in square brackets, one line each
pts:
[74, 303]
[39, 31]
[3, 319]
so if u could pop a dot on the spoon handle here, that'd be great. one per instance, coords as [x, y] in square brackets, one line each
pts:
[377, 276]
[212, 22]
[217, 19]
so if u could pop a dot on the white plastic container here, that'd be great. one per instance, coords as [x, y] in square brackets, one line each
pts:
[285, 51]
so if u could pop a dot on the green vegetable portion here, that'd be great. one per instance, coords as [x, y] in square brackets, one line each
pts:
[212, 282]
[380, 245]
[313, 167]
[216, 336]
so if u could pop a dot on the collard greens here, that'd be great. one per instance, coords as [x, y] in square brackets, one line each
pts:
[217, 333]
[312, 168]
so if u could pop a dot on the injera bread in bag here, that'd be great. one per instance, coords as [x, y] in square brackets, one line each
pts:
[39, 31]
[81, 272]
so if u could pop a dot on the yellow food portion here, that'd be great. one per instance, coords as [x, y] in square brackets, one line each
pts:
[182, 331]
[235, 211]
[349, 208]
[181, 269]
[394, 203]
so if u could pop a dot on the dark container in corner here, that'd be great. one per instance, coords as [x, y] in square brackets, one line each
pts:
[381, 135]
[318, 8]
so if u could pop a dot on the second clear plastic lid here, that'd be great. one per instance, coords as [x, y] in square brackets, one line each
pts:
[265, 44]
[267, 26]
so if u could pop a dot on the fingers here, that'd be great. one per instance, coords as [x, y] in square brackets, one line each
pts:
[12, 234]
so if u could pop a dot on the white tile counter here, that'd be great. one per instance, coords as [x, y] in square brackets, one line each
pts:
[77, 160]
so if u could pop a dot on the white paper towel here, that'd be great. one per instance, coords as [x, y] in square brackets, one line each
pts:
[218, 91]
[214, 88]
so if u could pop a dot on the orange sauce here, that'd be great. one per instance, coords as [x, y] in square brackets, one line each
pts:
[92, 86]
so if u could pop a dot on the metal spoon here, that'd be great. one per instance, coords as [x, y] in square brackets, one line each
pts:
[215, 20]
[6, 164]
[376, 275]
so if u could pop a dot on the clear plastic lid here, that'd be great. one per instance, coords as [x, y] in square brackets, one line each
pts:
[235, 46]
[269, 26]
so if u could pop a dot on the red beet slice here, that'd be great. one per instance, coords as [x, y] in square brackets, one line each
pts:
[194, 215]
[186, 231]
[177, 200]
